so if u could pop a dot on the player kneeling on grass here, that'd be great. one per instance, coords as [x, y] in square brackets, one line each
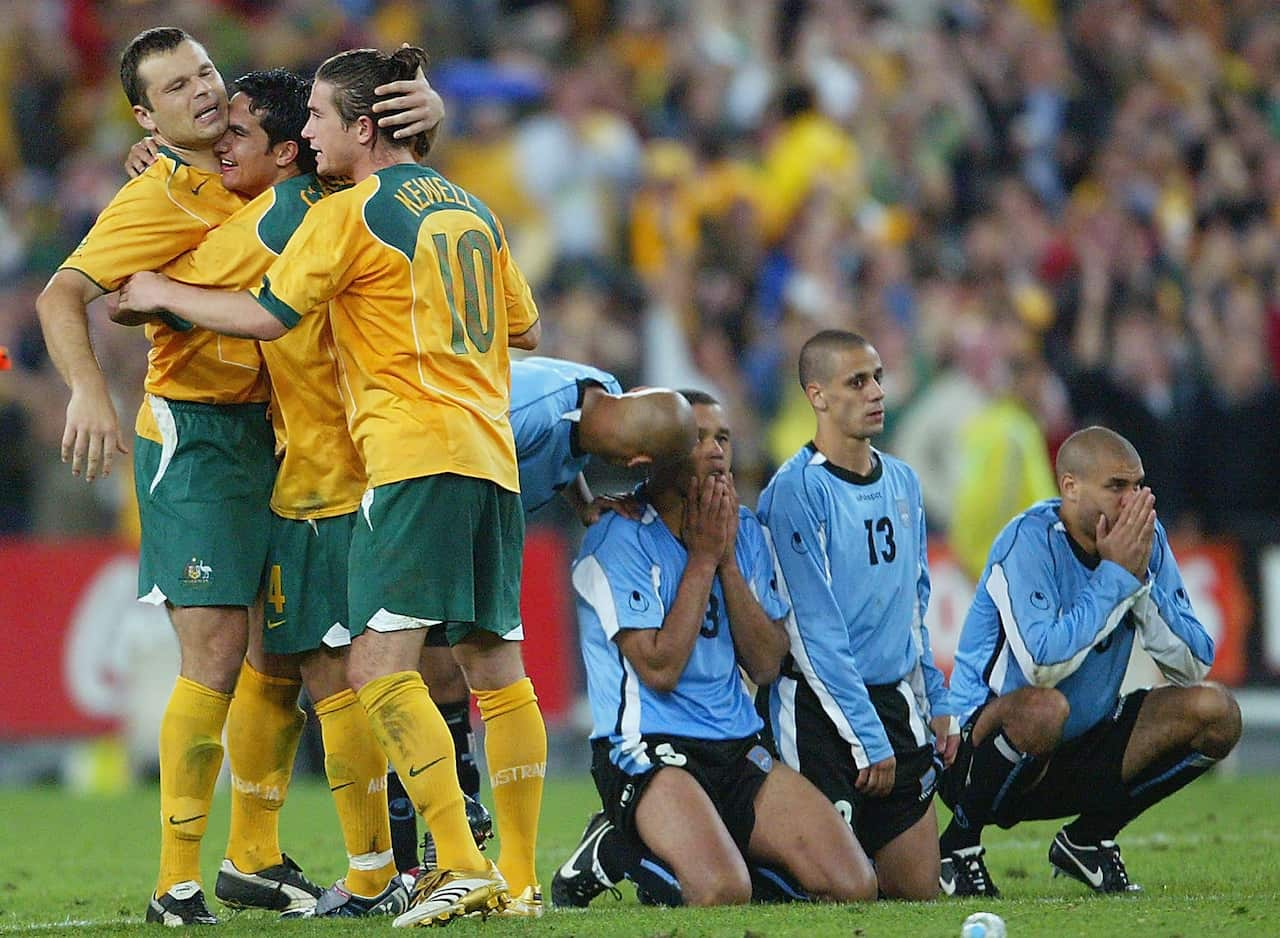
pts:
[670, 606]
[1069, 584]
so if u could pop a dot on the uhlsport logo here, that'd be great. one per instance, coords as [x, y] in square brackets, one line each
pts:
[197, 572]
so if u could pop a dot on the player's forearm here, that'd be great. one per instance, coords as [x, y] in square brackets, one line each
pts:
[1053, 647]
[660, 655]
[528, 340]
[1174, 637]
[760, 642]
[578, 494]
[229, 313]
[65, 324]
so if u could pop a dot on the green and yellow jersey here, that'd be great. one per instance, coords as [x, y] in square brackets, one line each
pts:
[168, 210]
[424, 294]
[321, 474]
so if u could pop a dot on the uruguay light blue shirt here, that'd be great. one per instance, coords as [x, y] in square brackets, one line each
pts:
[626, 577]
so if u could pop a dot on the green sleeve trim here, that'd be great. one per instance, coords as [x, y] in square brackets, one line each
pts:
[86, 277]
[276, 306]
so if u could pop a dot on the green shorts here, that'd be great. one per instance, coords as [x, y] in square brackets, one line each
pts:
[305, 591]
[437, 550]
[203, 497]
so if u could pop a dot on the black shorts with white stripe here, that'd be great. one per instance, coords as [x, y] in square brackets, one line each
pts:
[825, 758]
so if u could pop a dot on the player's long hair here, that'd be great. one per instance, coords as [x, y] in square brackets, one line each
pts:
[356, 73]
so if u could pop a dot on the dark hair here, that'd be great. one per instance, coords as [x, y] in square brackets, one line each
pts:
[279, 99]
[140, 48]
[355, 73]
[694, 396]
[815, 356]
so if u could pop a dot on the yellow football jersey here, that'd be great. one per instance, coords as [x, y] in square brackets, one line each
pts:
[152, 219]
[321, 474]
[424, 296]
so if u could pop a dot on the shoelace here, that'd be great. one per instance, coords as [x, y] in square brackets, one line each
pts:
[976, 872]
[1113, 865]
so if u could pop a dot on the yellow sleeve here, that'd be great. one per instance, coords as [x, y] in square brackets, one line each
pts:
[150, 221]
[522, 312]
[316, 265]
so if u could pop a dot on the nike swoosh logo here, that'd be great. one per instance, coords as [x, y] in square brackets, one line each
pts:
[196, 189]
[415, 772]
[185, 820]
[276, 624]
[1093, 876]
[343, 785]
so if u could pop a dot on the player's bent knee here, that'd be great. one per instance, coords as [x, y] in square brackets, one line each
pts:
[1218, 715]
[1034, 717]
[725, 887]
[855, 883]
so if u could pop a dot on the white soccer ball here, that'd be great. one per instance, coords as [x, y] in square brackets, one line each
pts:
[983, 925]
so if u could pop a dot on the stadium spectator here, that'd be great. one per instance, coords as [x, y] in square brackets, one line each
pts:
[1070, 585]
[669, 606]
[1003, 455]
[859, 709]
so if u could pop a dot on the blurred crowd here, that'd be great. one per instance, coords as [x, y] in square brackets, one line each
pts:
[1042, 214]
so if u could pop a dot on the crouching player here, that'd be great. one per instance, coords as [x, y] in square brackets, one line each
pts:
[1069, 585]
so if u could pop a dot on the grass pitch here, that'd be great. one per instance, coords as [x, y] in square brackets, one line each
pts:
[1208, 860]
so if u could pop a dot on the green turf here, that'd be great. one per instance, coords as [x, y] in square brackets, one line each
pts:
[1207, 858]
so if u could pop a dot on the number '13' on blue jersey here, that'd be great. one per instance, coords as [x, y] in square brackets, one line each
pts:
[546, 399]
[626, 577]
[852, 551]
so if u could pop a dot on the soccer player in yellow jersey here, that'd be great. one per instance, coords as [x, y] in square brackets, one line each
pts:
[424, 301]
[203, 440]
[317, 490]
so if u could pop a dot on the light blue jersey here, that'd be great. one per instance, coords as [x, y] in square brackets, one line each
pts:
[546, 402]
[854, 560]
[1048, 615]
[626, 577]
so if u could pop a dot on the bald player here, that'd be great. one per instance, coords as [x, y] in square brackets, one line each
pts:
[1069, 585]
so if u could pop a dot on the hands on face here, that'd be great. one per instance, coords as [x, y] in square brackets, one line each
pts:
[1128, 542]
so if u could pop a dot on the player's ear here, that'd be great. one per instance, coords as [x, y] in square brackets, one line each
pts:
[286, 152]
[366, 130]
[1069, 487]
[813, 391]
[143, 117]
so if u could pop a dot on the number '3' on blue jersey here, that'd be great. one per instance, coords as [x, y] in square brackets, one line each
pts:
[626, 577]
[853, 555]
[546, 401]
[1047, 614]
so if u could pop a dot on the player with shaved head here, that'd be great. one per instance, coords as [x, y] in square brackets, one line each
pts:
[1069, 585]
[859, 709]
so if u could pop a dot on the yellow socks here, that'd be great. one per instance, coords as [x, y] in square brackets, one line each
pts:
[263, 728]
[190, 757]
[357, 772]
[515, 745]
[417, 742]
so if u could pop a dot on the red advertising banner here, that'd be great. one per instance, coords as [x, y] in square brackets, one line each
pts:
[81, 647]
